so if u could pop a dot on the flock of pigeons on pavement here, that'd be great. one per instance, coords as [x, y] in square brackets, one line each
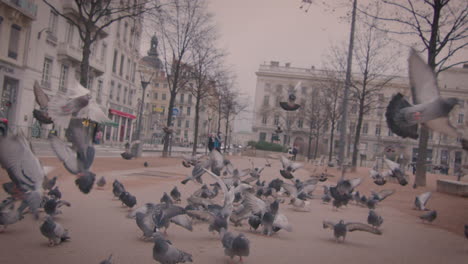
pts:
[247, 199]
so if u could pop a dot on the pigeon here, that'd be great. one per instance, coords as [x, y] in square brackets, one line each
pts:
[421, 201]
[55, 193]
[166, 199]
[117, 188]
[291, 104]
[429, 217]
[77, 161]
[24, 170]
[254, 221]
[127, 155]
[396, 172]
[188, 161]
[107, 261]
[49, 184]
[42, 99]
[164, 215]
[101, 182]
[379, 178]
[326, 198]
[301, 190]
[54, 231]
[429, 107]
[371, 203]
[128, 199]
[9, 216]
[165, 253]
[341, 228]
[51, 206]
[175, 194]
[146, 224]
[289, 167]
[145, 164]
[197, 172]
[374, 219]
[382, 195]
[235, 245]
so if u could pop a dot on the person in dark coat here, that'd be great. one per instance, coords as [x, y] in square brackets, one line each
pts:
[211, 143]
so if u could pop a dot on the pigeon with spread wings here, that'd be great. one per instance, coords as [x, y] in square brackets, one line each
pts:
[291, 104]
[341, 228]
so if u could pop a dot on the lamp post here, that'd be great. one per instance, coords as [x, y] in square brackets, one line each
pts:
[144, 74]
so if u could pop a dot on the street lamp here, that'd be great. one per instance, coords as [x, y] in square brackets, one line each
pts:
[145, 78]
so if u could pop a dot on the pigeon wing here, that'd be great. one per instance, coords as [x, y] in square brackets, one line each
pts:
[282, 222]
[65, 154]
[423, 198]
[228, 196]
[257, 205]
[41, 98]
[384, 194]
[285, 162]
[183, 221]
[292, 190]
[391, 164]
[201, 215]
[362, 227]
[328, 224]
[422, 80]
[442, 125]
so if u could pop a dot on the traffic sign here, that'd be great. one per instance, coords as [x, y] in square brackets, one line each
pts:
[175, 111]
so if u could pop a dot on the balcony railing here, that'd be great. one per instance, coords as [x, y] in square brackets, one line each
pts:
[76, 54]
[26, 7]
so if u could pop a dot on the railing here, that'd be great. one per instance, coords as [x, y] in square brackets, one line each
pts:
[26, 7]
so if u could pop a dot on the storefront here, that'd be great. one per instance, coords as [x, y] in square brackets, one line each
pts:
[123, 131]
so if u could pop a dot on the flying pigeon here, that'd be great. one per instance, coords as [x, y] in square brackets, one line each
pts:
[9, 216]
[24, 170]
[396, 172]
[107, 261]
[421, 201]
[165, 253]
[42, 100]
[374, 219]
[165, 214]
[198, 171]
[54, 231]
[291, 104]
[235, 245]
[166, 199]
[101, 182]
[429, 107]
[341, 228]
[289, 167]
[382, 195]
[429, 217]
[77, 161]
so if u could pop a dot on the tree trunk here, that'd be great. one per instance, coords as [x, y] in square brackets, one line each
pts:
[357, 138]
[219, 116]
[310, 142]
[227, 130]
[169, 123]
[316, 143]
[332, 134]
[195, 132]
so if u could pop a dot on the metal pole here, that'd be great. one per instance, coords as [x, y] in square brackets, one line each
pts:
[140, 119]
[346, 91]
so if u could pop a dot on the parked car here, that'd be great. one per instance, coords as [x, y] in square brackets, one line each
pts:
[3, 124]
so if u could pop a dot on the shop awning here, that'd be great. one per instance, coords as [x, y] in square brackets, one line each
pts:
[120, 113]
[113, 124]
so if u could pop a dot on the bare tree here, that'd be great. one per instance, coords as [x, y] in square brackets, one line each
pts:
[94, 16]
[440, 28]
[231, 106]
[179, 24]
[316, 116]
[206, 62]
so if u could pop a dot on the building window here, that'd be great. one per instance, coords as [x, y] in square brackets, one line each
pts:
[181, 109]
[155, 96]
[69, 34]
[124, 99]
[103, 52]
[300, 123]
[189, 98]
[125, 32]
[63, 78]
[13, 46]
[163, 97]
[179, 122]
[127, 75]
[46, 72]
[133, 72]
[276, 120]
[461, 117]
[122, 59]
[114, 62]
[365, 128]
[264, 119]
[111, 91]
[156, 84]
[266, 100]
[90, 82]
[119, 89]
[262, 136]
[130, 97]
[377, 130]
[186, 134]
[189, 110]
[277, 100]
[99, 92]
[390, 133]
[187, 123]
[181, 98]
[53, 23]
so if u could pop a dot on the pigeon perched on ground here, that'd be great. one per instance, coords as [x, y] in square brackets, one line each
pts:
[51, 206]
[429, 216]
[107, 261]
[101, 182]
[421, 201]
[289, 167]
[235, 245]
[175, 194]
[291, 104]
[127, 199]
[127, 155]
[117, 188]
[374, 219]
[77, 161]
[165, 253]
[145, 164]
[166, 199]
[54, 231]
[429, 107]
[341, 228]
[55, 193]
[9, 216]
[24, 170]
[146, 224]
[166, 214]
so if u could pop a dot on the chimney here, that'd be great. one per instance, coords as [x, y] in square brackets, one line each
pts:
[274, 63]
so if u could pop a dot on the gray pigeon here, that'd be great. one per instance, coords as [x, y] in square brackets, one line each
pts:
[197, 172]
[429, 107]
[175, 194]
[374, 219]
[289, 167]
[235, 245]
[24, 170]
[128, 199]
[117, 188]
[396, 171]
[166, 199]
[429, 217]
[171, 213]
[51, 206]
[54, 231]
[107, 261]
[55, 193]
[49, 184]
[101, 182]
[9, 216]
[291, 104]
[421, 201]
[146, 224]
[165, 253]
[341, 228]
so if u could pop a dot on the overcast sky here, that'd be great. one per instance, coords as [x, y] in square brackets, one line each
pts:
[258, 31]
